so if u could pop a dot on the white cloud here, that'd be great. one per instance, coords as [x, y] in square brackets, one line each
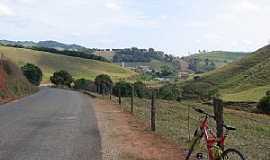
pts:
[246, 6]
[5, 10]
[27, 1]
[113, 6]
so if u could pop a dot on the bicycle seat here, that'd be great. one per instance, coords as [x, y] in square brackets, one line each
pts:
[229, 128]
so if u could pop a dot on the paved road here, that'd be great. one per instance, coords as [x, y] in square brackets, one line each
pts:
[52, 124]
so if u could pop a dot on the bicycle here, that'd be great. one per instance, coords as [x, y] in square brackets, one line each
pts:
[215, 147]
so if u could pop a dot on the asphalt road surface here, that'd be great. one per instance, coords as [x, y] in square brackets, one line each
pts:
[52, 124]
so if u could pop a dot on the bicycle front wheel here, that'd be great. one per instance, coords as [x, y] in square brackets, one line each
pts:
[232, 154]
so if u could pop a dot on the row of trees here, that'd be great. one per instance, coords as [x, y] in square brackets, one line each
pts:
[103, 84]
[81, 54]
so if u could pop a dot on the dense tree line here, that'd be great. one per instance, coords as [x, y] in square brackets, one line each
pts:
[72, 53]
[63, 52]
[140, 55]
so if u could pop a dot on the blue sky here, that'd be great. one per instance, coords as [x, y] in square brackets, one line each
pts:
[178, 27]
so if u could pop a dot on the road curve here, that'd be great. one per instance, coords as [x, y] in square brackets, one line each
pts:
[52, 124]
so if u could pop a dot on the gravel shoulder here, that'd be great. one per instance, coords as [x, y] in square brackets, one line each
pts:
[123, 137]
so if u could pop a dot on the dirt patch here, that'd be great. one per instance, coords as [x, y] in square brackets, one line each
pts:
[125, 138]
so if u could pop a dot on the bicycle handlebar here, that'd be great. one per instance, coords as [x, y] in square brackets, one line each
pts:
[203, 112]
[209, 115]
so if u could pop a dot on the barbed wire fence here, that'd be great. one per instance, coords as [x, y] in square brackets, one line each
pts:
[175, 120]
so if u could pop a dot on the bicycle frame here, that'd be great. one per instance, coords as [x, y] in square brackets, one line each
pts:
[210, 138]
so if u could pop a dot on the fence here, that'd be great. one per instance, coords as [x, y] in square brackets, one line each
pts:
[177, 121]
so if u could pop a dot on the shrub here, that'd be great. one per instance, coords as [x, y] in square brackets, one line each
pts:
[267, 93]
[81, 84]
[264, 104]
[103, 83]
[139, 89]
[170, 92]
[32, 73]
[61, 78]
[125, 89]
[199, 90]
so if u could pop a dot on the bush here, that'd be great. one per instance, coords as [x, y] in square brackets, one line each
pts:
[264, 104]
[139, 89]
[61, 78]
[32, 73]
[125, 89]
[103, 83]
[170, 92]
[199, 90]
[81, 84]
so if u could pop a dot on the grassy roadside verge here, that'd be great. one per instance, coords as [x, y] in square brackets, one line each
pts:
[252, 137]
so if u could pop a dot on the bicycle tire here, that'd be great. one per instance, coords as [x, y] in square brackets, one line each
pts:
[226, 153]
[195, 141]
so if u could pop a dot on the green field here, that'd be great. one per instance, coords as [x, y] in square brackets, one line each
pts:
[220, 58]
[78, 67]
[246, 79]
[252, 136]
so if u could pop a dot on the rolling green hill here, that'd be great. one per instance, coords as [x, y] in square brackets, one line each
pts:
[78, 67]
[246, 79]
[207, 61]
[221, 57]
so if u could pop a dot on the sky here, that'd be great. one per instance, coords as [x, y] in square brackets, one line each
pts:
[178, 27]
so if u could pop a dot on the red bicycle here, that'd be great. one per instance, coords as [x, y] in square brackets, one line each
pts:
[215, 147]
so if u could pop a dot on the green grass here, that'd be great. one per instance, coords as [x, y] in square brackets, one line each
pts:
[78, 67]
[246, 79]
[252, 136]
[220, 58]
[252, 95]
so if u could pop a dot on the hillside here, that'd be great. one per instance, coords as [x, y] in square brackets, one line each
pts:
[12, 82]
[78, 67]
[206, 61]
[48, 44]
[246, 79]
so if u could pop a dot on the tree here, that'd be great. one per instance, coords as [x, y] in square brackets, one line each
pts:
[124, 88]
[33, 73]
[166, 71]
[139, 89]
[81, 83]
[206, 61]
[61, 78]
[103, 83]
[264, 104]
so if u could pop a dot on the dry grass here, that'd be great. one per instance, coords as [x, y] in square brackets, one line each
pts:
[78, 67]
[252, 137]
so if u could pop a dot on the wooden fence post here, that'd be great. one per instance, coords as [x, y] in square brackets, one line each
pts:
[119, 95]
[218, 111]
[103, 89]
[110, 92]
[132, 98]
[153, 111]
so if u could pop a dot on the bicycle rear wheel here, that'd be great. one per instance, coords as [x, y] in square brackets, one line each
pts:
[232, 154]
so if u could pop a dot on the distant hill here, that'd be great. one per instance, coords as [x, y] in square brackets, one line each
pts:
[78, 67]
[133, 57]
[197, 62]
[48, 44]
[246, 79]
